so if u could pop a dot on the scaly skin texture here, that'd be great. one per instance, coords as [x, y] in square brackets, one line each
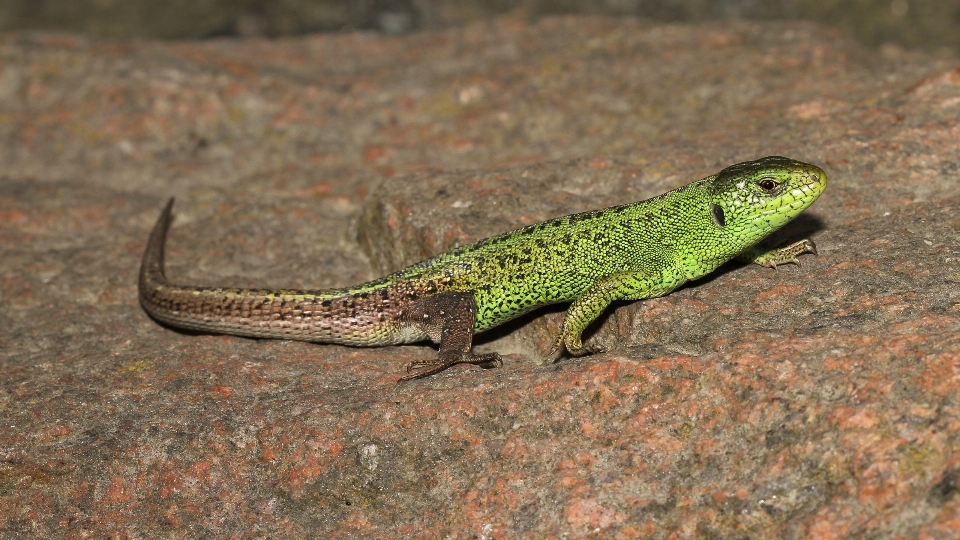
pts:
[628, 252]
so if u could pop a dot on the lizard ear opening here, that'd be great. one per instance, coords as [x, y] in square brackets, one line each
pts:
[717, 212]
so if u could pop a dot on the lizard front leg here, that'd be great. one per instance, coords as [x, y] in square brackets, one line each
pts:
[585, 309]
[448, 319]
[782, 255]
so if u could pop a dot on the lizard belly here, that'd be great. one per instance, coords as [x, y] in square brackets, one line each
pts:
[499, 303]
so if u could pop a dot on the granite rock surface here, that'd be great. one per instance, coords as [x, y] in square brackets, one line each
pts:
[811, 402]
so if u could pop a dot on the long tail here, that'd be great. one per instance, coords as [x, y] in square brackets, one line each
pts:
[209, 309]
[342, 316]
[151, 266]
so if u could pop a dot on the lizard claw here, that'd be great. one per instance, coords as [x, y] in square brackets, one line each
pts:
[555, 350]
[417, 364]
[494, 361]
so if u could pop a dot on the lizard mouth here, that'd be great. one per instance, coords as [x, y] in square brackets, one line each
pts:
[798, 198]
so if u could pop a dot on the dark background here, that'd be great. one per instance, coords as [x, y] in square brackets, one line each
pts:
[929, 24]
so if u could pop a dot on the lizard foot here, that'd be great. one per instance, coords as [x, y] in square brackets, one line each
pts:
[787, 254]
[575, 349]
[485, 361]
[588, 350]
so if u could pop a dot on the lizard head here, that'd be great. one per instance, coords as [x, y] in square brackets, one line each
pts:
[752, 199]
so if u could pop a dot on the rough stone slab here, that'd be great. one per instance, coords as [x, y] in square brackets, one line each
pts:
[330, 112]
[805, 402]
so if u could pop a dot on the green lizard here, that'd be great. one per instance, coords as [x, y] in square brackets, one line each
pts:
[629, 252]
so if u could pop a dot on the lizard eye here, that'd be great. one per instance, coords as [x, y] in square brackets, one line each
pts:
[768, 185]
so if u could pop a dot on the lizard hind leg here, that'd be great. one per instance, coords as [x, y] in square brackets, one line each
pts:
[448, 318]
